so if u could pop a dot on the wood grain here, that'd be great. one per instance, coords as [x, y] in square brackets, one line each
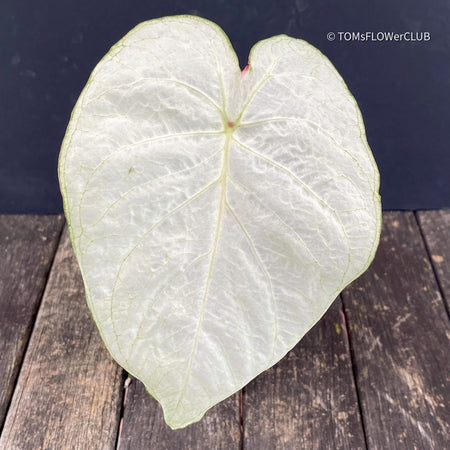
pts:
[27, 247]
[400, 333]
[143, 425]
[435, 227]
[308, 400]
[69, 390]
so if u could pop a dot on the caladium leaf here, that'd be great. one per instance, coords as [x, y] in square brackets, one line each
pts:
[215, 213]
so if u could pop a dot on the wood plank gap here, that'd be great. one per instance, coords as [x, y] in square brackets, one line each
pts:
[430, 257]
[125, 383]
[345, 321]
[241, 416]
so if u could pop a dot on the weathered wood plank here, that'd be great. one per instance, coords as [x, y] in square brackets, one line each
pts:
[68, 394]
[308, 400]
[435, 227]
[27, 247]
[400, 334]
[143, 425]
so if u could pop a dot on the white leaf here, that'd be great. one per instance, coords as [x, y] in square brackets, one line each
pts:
[215, 214]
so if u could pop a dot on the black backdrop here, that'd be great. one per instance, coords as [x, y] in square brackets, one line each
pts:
[49, 47]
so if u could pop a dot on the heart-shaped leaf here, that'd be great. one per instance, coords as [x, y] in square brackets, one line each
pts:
[215, 213]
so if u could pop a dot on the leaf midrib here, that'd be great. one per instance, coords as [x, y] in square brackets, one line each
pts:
[222, 203]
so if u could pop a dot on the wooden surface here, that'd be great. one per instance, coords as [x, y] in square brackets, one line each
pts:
[308, 400]
[435, 226]
[143, 425]
[399, 330]
[26, 254]
[69, 391]
[373, 373]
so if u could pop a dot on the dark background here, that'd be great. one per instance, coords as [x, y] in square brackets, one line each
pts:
[48, 49]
